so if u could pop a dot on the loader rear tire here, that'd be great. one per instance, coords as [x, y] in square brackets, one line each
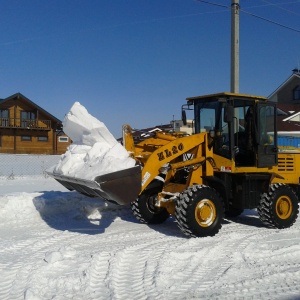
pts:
[145, 211]
[278, 208]
[199, 211]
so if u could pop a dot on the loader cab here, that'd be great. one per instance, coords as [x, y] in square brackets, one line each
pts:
[240, 127]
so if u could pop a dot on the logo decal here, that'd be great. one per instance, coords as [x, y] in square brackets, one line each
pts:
[170, 152]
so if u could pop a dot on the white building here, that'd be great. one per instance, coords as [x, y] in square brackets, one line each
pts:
[178, 126]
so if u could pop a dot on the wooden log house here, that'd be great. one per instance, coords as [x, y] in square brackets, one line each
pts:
[26, 128]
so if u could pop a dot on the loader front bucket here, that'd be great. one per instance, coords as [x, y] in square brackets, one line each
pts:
[120, 187]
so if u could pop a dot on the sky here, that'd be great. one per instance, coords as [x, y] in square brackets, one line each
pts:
[136, 61]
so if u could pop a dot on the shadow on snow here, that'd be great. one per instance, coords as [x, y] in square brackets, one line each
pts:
[75, 212]
[249, 217]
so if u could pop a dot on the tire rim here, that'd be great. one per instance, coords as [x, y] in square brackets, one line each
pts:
[205, 213]
[284, 207]
[151, 204]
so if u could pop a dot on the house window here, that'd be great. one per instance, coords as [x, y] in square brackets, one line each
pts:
[42, 138]
[27, 119]
[25, 138]
[63, 139]
[297, 93]
[4, 118]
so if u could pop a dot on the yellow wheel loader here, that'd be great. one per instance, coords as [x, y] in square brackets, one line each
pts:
[230, 163]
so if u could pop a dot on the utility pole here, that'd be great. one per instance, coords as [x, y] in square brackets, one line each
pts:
[235, 54]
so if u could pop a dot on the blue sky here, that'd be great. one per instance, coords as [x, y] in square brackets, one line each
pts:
[136, 61]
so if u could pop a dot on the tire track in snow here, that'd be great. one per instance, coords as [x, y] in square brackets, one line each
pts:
[284, 286]
[20, 271]
[8, 275]
[284, 280]
[200, 277]
[20, 281]
[98, 286]
[35, 252]
[284, 263]
[134, 269]
[204, 263]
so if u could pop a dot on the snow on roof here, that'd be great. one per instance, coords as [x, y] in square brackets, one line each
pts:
[291, 117]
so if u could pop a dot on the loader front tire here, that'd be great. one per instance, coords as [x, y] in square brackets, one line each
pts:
[199, 211]
[144, 208]
[278, 208]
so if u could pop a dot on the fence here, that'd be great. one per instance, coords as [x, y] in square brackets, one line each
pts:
[18, 165]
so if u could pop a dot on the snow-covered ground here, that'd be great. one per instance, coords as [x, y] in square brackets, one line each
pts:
[56, 244]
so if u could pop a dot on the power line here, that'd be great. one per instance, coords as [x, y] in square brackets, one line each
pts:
[212, 3]
[256, 16]
[267, 3]
[280, 7]
[270, 21]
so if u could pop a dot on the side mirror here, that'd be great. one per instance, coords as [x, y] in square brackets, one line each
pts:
[183, 117]
[228, 113]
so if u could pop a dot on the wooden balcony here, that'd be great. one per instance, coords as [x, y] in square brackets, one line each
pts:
[25, 124]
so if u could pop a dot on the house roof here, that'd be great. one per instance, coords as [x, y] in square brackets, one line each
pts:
[294, 75]
[21, 96]
[285, 118]
[292, 116]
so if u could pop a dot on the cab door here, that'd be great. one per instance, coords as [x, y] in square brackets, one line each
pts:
[266, 135]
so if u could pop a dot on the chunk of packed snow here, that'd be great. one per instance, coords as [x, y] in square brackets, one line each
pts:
[85, 129]
[94, 150]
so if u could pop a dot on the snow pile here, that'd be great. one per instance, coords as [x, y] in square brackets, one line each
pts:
[94, 150]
